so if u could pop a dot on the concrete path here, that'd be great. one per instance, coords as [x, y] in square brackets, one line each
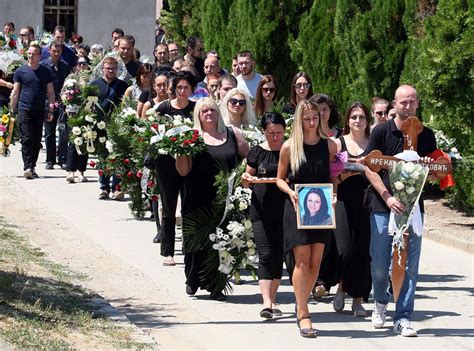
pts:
[101, 239]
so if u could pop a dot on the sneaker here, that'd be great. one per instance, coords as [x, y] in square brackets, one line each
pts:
[118, 195]
[49, 165]
[34, 174]
[82, 178]
[339, 301]
[404, 328]
[104, 195]
[379, 315]
[319, 291]
[28, 174]
[70, 178]
[358, 310]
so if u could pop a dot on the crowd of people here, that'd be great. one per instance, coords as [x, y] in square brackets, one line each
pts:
[189, 82]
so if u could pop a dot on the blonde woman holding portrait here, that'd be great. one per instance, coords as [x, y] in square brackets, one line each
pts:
[304, 159]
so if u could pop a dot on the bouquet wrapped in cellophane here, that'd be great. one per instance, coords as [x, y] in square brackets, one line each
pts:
[407, 180]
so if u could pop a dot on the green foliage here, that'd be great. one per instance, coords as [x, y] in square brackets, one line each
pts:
[462, 196]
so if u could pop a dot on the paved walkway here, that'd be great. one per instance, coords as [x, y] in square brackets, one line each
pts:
[101, 239]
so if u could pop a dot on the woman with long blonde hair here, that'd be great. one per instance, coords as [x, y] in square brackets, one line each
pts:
[304, 159]
[236, 109]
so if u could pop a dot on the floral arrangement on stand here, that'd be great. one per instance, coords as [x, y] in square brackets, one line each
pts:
[7, 41]
[7, 132]
[407, 180]
[225, 230]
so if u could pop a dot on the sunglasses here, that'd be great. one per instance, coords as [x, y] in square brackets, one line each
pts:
[269, 90]
[381, 113]
[234, 102]
[302, 85]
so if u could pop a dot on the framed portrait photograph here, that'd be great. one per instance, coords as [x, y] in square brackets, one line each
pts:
[315, 209]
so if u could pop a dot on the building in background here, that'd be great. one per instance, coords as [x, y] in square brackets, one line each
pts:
[93, 19]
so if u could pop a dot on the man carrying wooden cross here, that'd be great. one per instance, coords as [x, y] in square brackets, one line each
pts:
[388, 138]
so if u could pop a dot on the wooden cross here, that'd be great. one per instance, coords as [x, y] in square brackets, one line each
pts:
[440, 168]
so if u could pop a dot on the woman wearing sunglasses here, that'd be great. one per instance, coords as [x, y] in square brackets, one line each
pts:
[236, 109]
[301, 89]
[266, 95]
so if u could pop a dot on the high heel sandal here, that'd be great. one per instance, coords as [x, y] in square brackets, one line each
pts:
[306, 332]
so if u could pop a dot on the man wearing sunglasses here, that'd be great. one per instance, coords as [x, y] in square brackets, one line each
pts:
[27, 35]
[379, 111]
[248, 79]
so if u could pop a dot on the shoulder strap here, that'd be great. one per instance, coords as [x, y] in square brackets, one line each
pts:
[343, 143]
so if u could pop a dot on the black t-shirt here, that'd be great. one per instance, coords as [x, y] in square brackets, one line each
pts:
[132, 68]
[389, 140]
[59, 72]
[166, 108]
[145, 94]
[267, 199]
[110, 95]
[33, 87]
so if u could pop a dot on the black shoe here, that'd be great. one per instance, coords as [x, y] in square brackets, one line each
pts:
[190, 290]
[266, 313]
[157, 238]
[34, 174]
[49, 165]
[219, 296]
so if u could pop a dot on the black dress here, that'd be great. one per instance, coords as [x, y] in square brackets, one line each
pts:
[314, 170]
[266, 213]
[199, 193]
[353, 235]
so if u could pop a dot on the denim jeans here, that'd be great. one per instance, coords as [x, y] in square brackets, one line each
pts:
[104, 182]
[380, 252]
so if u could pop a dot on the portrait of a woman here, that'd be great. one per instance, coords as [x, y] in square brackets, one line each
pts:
[316, 208]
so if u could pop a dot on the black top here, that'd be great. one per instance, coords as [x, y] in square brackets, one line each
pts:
[5, 92]
[267, 199]
[389, 140]
[132, 68]
[199, 189]
[166, 108]
[289, 108]
[110, 95]
[59, 72]
[33, 87]
[68, 55]
[145, 94]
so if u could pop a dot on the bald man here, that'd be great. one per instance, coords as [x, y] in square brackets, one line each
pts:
[388, 138]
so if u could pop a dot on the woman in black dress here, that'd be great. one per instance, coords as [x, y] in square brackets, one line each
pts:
[169, 181]
[301, 89]
[158, 88]
[266, 210]
[225, 147]
[353, 224]
[304, 159]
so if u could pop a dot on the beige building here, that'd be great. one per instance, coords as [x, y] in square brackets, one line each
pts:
[93, 19]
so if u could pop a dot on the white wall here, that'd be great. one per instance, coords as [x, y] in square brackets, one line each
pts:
[97, 19]
[21, 13]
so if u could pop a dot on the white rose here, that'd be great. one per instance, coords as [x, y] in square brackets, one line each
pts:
[102, 139]
[76, 131]
[78, 141]
[251, 251]
[162, 152]
[242, 205]
[230, 207]
[109, 146]
[89, 118]
[101, 125]
[409, 167]
[410, 190]
[212, 237]
[399, 185]
[151, 118]
[90, 148]
[247, 224]
[415, 175]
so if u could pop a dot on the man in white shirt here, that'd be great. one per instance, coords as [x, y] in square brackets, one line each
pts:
[248, 79]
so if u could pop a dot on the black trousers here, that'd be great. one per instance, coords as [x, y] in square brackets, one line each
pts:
[31, 130]
[268, 236]
[171, 184]
[50, 137]
[74, 161]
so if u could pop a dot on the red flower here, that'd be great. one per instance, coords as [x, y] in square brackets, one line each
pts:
[129, 175]
[173, 139]
[112, 160]
[92, 163]
[150, 184]
[101, 172]
[118, 187]
[154, 126]
[139, 174]
[118, 176]
[126, 161]
[12, 43]
[154, 198]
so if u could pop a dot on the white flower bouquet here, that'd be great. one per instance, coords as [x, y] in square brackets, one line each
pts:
[407, 180]
[253, 136]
